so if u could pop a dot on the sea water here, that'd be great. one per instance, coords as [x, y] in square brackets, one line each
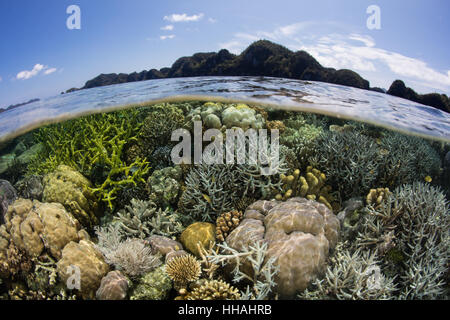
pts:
[377, 164]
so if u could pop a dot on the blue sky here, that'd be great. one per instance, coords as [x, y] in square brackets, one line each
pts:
[41, 57]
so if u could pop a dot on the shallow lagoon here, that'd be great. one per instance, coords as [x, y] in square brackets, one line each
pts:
[353, 211]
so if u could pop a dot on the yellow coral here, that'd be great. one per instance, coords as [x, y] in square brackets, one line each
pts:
[211, 290]
[226, 222]
[376, 196]
[311, 186]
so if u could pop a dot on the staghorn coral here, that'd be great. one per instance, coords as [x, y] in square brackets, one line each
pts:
[183, 269]
[93, 145]
[114, 286]
[352, 276]
[350, 161]
[226, 223]
[311, 186]
[142, 219]
[211, 290]
[154, 285]
[410, 230]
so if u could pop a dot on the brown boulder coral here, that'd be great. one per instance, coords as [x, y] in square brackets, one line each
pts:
[34, 226]
[114, 286]
[299, 233]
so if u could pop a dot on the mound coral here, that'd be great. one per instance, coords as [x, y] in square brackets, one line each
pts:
[299, 234]
[70, 188]
[114, 286]
[202, 233]
[34, 227]
[84, 260]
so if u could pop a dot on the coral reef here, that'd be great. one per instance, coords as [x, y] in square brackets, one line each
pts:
[198, 232]
[350, 161]
[85, 261]
[352, 276]
[30, 187]
[70, 188]
[154, 285]
[411, 227]
[34, 226]
[226, 223]
[299, 233]
[114, 286]
[141, 219]
[163, 245]
[210, 290]
[93, 145]
[164, 186]
[376, 196]
[7, 196]
[311, 186]
[183, 269]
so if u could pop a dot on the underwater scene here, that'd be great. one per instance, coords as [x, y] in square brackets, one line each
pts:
[209, 199]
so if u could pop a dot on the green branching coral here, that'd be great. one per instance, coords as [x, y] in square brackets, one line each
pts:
[352, 276]
[93, 145]
[414, 220]
[141, 219]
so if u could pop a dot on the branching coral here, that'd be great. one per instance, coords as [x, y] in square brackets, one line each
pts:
[142, 219]
[93, 145]
[411, 230]
[350, 161]
[354, 276]
[263, 269]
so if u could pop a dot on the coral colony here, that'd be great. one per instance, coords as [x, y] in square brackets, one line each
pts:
[222, 201]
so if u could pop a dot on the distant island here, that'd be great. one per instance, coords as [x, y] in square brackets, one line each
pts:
[17, 105]
[265, 58]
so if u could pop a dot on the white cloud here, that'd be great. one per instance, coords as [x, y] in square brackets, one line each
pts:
[28, 74]
[183, 17]
[346, 50]
[170, 36]
[50, 70]
[169, 27]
